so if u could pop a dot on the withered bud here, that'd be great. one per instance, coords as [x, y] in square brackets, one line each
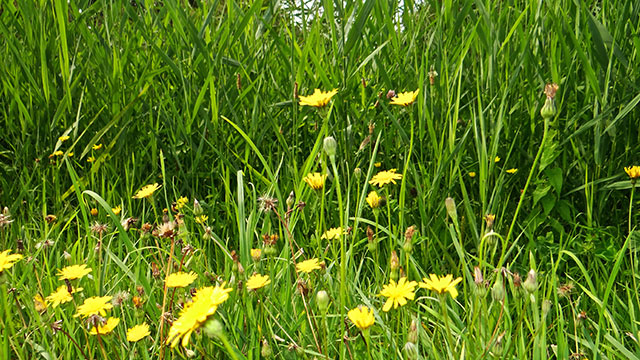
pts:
[489, 219]
[50, 218]
[155, 271]
[517, 280]
[56, 326]
[477, 276]
[364, 83]
[238, 82]
[394, 261]
[550, 90]
[391, 94]
[408, 234]
[295, 90]
[369, 233]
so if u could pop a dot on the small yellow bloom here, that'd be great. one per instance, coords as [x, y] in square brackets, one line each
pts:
[105, 328]
[472, 174]
[378, 164]
[97, 147]
[512, 171]
[94, 212]
[138, 332]
[315, 180]
[61, 296]
[441, 284]
[256, 254]
[96, 305]
[57, 153]
[181, 202]
[146, 191]
[39, 303]
[70, 154]
[331, 234]
[497, 159]
[362, 317]
[202, 219]
[384, 177]
[308, 266]
[63, 138]
[398, 293]
[8, 260]
[181, 279]
[73, 272]
[405, 98]
[91, 159]
[632, 171]
[257, 281]
[318, 98]
[116, 210]
[373, 200]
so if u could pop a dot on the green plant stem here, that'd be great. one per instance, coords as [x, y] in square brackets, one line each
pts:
[343, 255]
[443, 305]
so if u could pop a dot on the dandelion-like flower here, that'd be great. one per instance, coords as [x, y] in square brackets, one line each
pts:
[61, 296]
[39, 303]
[442, 284]
[398, 293]
[257, 281]
[496, 159]
[105, 328]
[633, 172]
[8, 260]
[97, 147]
[331, 234]
[91, 159]
[116, 210]
[256, 254]
[96, 305]
[181, 202]
[384, 177]
[204, 304]
[512, 171]
[362, 317]
[181, 279]
[318, 98]
[315, 180]
[308, 266]
[138, 332]
[373, 199]
[146, 191]
[56, 153]
[472, 174]
[73, 272]
[405, 98]
[63, 138]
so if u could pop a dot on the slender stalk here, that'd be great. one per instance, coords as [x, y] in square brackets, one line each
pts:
[164, 297]
[443, 305]
[343, 255]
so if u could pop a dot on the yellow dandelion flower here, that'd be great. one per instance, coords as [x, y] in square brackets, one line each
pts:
[315, 180]
[181, 202]
[378, 164]
[39, 303]
[318, 98]
[442, 284]
[362, 317]
[97, 147]
[73, 272]
[138, 332]
[405, 98]
[256, 254]
[146, 191]
[63, 138]
[398, 293]
[91, 159]
[105, 328]
[94, 212]
[331, 234]
[95, 305]
[116, 210]
[181, 279]
[202, 219]
[472, 174]
[204, 304]
[497, 159]
[57, 153]
[8, 260]
[70, 154]
[257, 281]
[632, 171]
[61, 296]
[512, 171]
[308, 266]
[373, 199]
[384, 177]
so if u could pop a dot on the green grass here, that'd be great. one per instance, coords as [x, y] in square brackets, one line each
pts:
[201, 99]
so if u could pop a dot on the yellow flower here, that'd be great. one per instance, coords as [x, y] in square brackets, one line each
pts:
[181, 279]
[96, 305]
[146, 191]
[39, 303]
[7, 261]
[308, 266]
[315, 180]
[94, 212]
[105, 328]
[204, 304]
[397, 294]
[61, 296]
[97, 147]
[497, 159]
[512, 171]
[91, 159]
[74, 272]
[384, 177]
[256, 254]
[70, 154]
[378, 164]
[57, 153]
[373, 199]
[181, 202]
[632, 171]
[257, 281]
[405, 98]
[63, 138]
[472, 174]
[116, 210]
[202, 219]
[441, 284]
[362, 317]
[333, 233]
[138, 332]
[318, 98]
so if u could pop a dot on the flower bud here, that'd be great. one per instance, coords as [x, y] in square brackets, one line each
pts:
[357, 172]
[394, 261]
[546, 307]
[450, 204]
[497, 291]
[330, 147]
[548, 109]
[322, 299]
[291, 199]
[531, 284]
[410, 351]
[214, 328]
[412, 336]
[197, 208]
[266, 351]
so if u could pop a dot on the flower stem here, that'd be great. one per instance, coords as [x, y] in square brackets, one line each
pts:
[343, 256]
[443, 305]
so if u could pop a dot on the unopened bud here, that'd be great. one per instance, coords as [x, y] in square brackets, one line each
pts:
[214, 328]
[546, 307]
[394, 261]
[410, 351]
[548, 109]
[291, 199]
[357, 172]
[450, 204]
[412, 336]
[330, 147]
[322, 300]
[197, 208]
[531, 284]
[266, 351]
[497, 291]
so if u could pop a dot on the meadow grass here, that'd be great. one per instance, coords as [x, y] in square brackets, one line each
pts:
[536, 215]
